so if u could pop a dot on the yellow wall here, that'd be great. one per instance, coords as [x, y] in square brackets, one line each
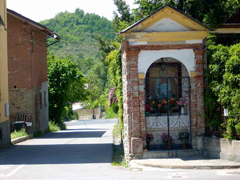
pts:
[3, 63]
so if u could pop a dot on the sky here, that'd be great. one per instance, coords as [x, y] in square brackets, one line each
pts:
[46, 9]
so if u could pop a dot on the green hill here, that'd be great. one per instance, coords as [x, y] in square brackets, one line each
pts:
[78, 34]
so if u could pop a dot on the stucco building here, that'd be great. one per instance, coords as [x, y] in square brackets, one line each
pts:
[4, 110]
[163, 62]
[27, 62]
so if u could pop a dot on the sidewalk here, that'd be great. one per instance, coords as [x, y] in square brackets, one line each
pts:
[185, 163]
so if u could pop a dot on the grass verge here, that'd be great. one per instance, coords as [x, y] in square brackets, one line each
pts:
[118, 156]
[53, 127]
[116, 131]
[18, 134]
[118, 152]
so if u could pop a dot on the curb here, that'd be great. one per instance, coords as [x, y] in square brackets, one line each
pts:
[21, 139]
[136, 165]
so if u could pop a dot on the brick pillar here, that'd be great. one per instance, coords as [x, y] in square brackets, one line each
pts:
[141, 81]
[136, 139]
[127, 118]
[197, 99]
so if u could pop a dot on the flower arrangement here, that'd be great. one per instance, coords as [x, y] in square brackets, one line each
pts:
[182, 102]
[150, 137]
[112, 97]
[165, 137]
[172, 103]
[159, 105]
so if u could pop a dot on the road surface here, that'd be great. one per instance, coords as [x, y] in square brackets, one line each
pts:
[84, 152]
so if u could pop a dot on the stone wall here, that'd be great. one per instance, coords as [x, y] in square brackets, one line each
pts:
[221, 148]
[84, 114]
[134, 93]
[21, 101]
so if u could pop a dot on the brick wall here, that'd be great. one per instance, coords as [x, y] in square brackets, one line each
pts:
[27, 63]
[134, 96]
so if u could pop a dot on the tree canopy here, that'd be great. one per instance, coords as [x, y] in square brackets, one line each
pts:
[66, 85]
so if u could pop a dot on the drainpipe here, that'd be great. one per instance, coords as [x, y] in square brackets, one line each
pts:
[57, 37]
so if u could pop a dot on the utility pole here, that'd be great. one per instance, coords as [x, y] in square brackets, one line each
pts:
[4, 103]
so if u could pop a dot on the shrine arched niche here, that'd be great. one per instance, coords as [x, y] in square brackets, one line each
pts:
[167, 104]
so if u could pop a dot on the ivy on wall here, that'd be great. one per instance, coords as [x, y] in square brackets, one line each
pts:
[115, 72]
[224, 88]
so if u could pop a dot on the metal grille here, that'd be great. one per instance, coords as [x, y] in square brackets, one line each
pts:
[168, 110]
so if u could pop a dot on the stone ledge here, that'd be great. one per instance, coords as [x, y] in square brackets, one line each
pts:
[21, 139]
[171, 153]
[185, 163]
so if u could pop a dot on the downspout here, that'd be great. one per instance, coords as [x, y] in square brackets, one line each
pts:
[55, 36]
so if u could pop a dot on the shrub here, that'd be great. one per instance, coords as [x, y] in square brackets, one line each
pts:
[18, 134]
[224, 87]
[53, 127]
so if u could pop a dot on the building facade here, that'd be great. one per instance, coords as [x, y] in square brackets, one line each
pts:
[27, 62]
[163, 62]
[4, 110]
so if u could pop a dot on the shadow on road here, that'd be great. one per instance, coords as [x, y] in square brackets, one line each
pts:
[76, 134]
[88, 129]
[59, 153]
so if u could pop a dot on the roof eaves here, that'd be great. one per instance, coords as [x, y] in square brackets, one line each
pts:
[35, 24]
[135, 24]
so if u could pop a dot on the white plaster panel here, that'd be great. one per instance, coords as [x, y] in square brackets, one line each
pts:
[166, 25]
[147, 57]
[133, 42]
[44, 112]
[194, 41]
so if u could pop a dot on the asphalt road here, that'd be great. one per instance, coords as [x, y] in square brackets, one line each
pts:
[84, 151]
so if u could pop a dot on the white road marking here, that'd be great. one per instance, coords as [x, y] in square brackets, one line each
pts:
[15, 170]
[176, 176]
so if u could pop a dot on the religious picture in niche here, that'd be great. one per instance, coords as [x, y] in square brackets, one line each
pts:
[164, 87]
[160, 86]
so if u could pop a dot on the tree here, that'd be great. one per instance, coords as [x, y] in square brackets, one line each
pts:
[211, 13]
[66, 85]
[96, 80]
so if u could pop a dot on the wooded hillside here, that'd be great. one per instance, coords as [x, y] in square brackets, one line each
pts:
[78, 32]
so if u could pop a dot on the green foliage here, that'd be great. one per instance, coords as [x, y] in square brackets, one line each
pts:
[118, 157]
[78, 33]
[66, 85]
[211, 13]
[18, 134]
[53, 127]
[117, 131]
[112, 111]
[115, 72]
[68, 113]
[224, 86]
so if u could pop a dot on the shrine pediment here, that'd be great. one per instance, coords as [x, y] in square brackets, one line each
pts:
[166, 22]
[166, 25]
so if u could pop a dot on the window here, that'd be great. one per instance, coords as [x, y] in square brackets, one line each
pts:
[45, 98]
[40, 100]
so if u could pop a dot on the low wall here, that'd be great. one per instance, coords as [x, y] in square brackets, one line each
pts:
[88, 113]
[220, 148]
